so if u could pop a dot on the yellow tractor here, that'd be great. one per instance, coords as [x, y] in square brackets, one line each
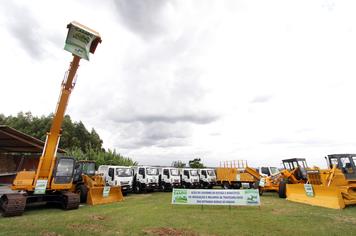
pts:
[294, 172]
[52, 180]
[334, 187]
[91, 187]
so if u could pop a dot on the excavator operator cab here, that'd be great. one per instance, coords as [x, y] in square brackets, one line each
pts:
[64, 170]
[296, 163]
[84, 168]
[345, 162]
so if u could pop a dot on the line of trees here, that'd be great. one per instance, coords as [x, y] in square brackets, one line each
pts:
[195, 163]
[76, 139]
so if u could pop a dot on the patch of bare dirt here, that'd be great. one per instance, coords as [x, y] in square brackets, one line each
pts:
[345, 219]
[143, 195]
[97, 217]
[162, 231]
[46, 233]
[85, 227]
[282, 211]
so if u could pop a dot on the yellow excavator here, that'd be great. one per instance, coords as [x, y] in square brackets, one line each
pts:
[53, 177]
[334, 187]
[91, 187]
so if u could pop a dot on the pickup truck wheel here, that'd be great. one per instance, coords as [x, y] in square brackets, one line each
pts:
[137, 188]
[164, 187]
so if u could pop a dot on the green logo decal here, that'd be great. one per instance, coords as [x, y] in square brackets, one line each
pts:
[180, 196]
[252, 196]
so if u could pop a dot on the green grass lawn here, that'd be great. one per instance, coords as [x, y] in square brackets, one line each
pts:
[153, 214]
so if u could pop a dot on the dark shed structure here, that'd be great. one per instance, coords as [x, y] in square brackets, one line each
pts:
[18, 151]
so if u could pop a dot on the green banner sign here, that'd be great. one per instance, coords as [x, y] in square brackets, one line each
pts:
[79, 41]
[242, 197]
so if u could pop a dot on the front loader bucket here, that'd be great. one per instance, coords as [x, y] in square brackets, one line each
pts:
[103, 195]
[323, 196]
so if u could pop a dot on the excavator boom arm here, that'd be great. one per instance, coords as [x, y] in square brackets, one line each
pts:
[47, 160]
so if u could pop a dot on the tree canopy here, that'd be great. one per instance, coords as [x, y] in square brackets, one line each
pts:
[196, 163]
[75, 139]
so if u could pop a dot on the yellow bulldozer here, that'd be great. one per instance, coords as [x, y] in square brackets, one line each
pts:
[334, 187]
[91, 187]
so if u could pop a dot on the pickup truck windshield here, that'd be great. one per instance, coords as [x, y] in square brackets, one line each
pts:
[152, 171]
[174, 172]
[123, 172]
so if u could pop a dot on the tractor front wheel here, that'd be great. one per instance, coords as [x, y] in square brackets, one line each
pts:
[82, 190]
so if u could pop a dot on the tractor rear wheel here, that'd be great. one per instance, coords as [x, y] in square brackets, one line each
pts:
[282, 189]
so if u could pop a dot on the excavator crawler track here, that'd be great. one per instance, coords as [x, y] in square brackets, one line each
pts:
[70, 201]
[12, 204]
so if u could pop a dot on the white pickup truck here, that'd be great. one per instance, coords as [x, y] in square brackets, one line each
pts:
[207, 178]
[169, 178]
[145, 179]
[190, 178]
[118, 176]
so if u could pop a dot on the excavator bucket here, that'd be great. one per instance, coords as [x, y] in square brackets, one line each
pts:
[103, 195]
[317, 195]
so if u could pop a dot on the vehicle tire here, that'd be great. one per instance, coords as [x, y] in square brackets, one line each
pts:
[82, 190]
[237, 185]
[282, 189]
[164, 188]
[137, 188]
[256, 185]
[226, 185]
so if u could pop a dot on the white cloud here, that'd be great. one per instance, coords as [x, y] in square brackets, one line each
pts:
[220, 80]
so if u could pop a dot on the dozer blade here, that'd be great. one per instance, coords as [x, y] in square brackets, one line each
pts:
[97, 196]
[329, 197]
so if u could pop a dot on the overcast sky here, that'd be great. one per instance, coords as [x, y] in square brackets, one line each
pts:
[174, 80]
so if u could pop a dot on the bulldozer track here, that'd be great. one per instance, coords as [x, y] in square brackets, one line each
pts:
[12, 204]
[70, 201]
